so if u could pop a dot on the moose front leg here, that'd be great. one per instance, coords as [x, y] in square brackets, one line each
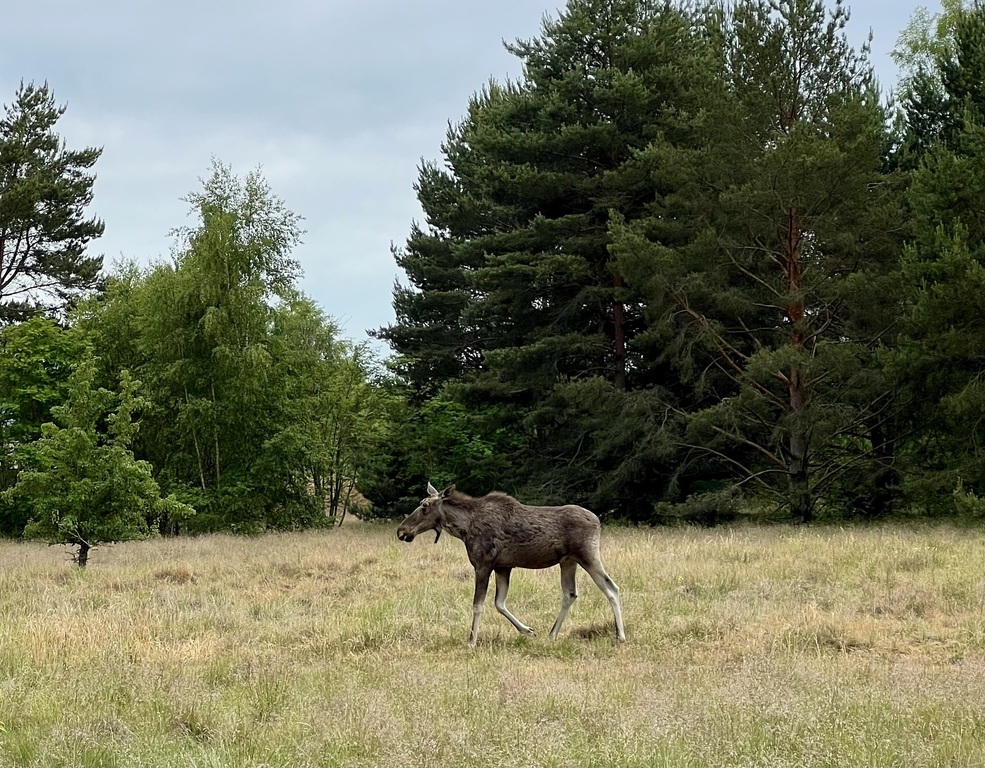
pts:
[478, 602]
[502, 588]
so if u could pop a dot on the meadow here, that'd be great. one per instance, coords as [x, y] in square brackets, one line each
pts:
[746, 647]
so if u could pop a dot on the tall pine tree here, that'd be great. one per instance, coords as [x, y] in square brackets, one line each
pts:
[942, 356]
[515, 299]
[44, 191]
[792, 235]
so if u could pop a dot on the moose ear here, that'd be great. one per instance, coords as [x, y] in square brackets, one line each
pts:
[447, 492]
[432, 491]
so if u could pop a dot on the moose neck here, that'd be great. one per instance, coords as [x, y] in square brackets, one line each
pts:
[456, 518]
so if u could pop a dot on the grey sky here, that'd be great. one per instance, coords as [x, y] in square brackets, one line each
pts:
[336, 101]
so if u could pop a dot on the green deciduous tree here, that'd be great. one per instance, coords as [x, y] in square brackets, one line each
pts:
[204, 332]
[80, 478]
[258, 413]
[328, 413]
[926, 38]
[44, 191]
[37, 357]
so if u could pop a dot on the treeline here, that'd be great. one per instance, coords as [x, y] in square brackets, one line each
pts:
[694, 263]
[202, 393]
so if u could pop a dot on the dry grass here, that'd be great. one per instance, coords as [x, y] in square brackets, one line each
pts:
[753, 647]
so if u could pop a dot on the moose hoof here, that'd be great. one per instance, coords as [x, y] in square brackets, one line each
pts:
[528, 631]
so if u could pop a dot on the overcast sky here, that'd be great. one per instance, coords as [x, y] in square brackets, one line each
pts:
[336, 101]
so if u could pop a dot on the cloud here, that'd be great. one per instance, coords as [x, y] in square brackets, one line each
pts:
[336, 101]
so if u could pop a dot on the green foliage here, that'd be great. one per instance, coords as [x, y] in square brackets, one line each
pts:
[330, 413]
[441, 441]
[80, 478]
[664, 261]
[708, 508]
[201, 329]
[968, 504]
[941, 87]
[514, 294]
[926, 38]
[258, 414]
[44, 190]
[677, 270]
[759, 307]
[36, 359]
[941, 355]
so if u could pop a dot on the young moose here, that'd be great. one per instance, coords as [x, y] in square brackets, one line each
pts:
[501, 534]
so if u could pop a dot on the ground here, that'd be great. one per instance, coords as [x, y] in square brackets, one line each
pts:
[749, 647]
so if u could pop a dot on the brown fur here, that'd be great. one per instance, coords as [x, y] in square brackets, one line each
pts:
[500, 534]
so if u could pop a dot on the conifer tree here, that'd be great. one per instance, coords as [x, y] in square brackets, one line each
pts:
[942, 358]
[514, 295]
[44, 191]
[792, 220]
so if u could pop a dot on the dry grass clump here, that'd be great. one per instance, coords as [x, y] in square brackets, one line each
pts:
[747, 647]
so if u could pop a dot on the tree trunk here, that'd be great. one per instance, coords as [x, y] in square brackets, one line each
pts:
[348, 500]
[82, 556]
[215, 433]
[801, 507]
[198, 450]
[336, 492]
[885, 477]
[619, 338]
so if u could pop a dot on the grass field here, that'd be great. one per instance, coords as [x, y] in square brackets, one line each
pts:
[747, 647]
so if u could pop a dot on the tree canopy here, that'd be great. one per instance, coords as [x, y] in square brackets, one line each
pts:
[253, 412]
[81, 481]
[690, 264]
[45, 189]
[667, 262]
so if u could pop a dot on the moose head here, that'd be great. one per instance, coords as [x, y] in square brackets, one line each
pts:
[427, 516]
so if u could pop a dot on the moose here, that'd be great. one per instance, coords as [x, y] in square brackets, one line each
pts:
[501, 534]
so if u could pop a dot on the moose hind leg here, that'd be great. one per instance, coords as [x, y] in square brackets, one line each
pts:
[478, 602]
[569, 593]
[611, 592]
[502, 587]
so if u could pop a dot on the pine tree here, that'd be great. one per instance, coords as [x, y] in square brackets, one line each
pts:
[791, 218]
[942, 358]
[44, 191]
[514, 294]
